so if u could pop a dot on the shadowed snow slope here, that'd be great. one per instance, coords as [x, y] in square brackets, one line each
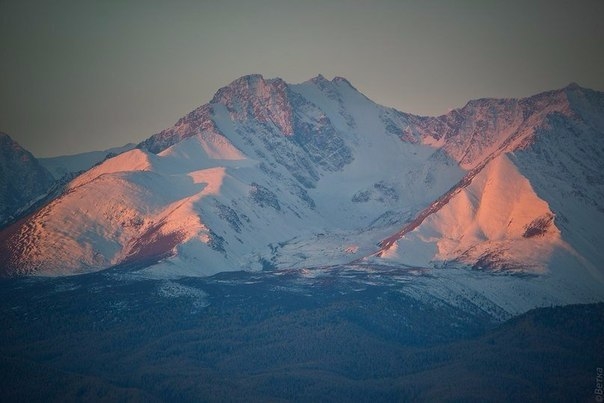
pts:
[274, 175]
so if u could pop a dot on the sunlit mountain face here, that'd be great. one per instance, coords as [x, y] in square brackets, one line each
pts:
[315, 235]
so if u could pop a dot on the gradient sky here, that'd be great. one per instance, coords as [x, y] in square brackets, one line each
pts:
[87, 75]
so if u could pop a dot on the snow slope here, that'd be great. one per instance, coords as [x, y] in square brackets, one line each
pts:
[497, 222]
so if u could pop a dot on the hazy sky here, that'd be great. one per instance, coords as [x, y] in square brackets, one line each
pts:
[85, 75]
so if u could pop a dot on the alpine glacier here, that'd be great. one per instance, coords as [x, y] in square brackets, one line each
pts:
[271, 175]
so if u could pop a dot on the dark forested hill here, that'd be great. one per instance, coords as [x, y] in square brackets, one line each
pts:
[245, 337]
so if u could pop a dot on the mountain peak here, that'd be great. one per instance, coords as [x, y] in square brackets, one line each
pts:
[320, 78]
[248, 86]
[22, 178]
[247, 79]
[573, 86]
[8, 145]
[321, 81]
[5, 137]
[338, 80]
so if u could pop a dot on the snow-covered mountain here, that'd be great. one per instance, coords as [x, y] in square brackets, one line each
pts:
[267, 174]
[547, 151]
[22, 178]
[271, 175]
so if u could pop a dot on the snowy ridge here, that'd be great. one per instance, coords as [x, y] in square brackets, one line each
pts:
[485, 126]
[67, 165]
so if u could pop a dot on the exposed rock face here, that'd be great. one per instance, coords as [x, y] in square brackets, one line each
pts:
[22, 178]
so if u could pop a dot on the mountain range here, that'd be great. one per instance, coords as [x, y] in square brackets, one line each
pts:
[500, 200]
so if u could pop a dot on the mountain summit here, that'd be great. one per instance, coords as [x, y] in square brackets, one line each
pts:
[22, 178]
[271, 175]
